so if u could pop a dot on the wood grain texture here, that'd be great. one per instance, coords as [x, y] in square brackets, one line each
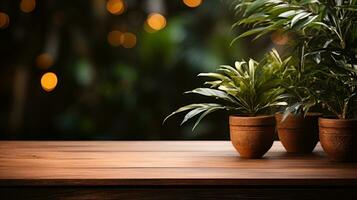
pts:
[114, 163]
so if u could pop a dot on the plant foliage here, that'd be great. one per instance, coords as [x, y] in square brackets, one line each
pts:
[248, 88]
[326, 35]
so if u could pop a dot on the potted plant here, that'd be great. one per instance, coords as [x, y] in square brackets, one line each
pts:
[250, 91]
[338, 133]
[297, 126]
[326, 32]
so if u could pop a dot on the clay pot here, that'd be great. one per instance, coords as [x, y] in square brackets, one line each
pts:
[338, 138]
[298, 134]
[252, 136]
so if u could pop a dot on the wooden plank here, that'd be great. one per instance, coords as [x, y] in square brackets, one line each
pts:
[128, 146]
[162, 163]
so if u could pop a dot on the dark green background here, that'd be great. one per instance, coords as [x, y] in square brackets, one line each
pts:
[107, 92]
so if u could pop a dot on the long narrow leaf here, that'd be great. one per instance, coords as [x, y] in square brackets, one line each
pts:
[212, 93]
[206, 113]
[189, 107]
[192, 114]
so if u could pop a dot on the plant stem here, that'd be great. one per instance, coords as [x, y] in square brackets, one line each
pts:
[333, 111]
[344, 112]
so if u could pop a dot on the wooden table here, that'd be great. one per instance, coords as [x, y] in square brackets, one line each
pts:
[166, 170]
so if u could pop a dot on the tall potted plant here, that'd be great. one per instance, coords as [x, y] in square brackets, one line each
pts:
[297, 126]
[326, 33]
[250, 92]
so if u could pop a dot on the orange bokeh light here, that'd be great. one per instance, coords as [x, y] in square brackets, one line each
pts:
[128, 40]
[192, 3]
[114, 38]
[156, 21]
[4, 20]
[49, 81]
[116, 7]
[27, 6]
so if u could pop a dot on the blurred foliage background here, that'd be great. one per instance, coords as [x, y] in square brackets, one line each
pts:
[98, 69]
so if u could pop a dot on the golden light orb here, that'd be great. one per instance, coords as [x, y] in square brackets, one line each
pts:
[27, 6]
[156, 21]
[279, 38]
[44, 61]
[148, 29]
[114, 38]
[128, 40]
[49, 81]
[4, 20]
[192, 3]
[116, 7]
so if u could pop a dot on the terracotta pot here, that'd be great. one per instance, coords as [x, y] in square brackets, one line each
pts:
[298, 134]
[252, 136]
[338, 138]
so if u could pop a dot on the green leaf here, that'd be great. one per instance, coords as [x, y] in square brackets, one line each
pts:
[213, 84]
[255, 5]
[239, 68]
[188, 107]
[252, 66]
[206, 113]
[275, 55]
[275, 26]
[215, 75]
[278, 9]
[251, 32]
[298, 17]
[304, 23]
[231, 69]
[192, 113]
[304, 2]
[212, 93]
[253, 18]
[290, 13]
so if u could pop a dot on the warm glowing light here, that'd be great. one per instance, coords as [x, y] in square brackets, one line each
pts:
[192, 3]
[114, 38]
[44, 61]
[279, 38]
[27, 5]
[156, 21]
[128, 40]
[148, 29]
[4, 20]
[49, 81]
[116, 7]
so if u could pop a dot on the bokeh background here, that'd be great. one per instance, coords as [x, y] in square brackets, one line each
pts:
[112, 69]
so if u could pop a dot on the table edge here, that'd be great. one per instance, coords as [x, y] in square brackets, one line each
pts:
[178, 182]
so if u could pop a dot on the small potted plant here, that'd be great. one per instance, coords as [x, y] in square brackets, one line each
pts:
[298, 127]
[338, 133]
[325, 31]
[251, 92]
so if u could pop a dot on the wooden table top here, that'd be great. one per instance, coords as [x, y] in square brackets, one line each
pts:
[87, 163]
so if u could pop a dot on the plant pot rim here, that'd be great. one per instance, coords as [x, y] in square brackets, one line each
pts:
[246, 116]
[309, 114]
[336, 119]
[335, 123]
[261, 120]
